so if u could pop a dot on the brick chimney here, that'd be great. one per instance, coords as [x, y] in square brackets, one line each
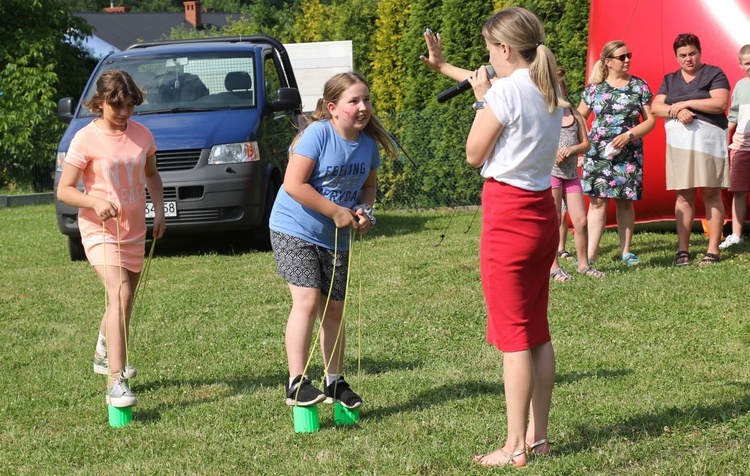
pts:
[193, 13]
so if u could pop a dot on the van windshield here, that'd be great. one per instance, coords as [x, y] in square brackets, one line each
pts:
[188, 82]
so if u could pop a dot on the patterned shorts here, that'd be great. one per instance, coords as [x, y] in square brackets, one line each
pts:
[307, 265]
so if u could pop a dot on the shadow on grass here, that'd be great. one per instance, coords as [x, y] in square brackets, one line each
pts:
[246, 384]
[225, 244]
[571, 377]
[650, 425]
[472, 388]
[652, 255]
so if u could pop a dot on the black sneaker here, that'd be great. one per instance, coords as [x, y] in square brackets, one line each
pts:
[303, 393]
[341, 391]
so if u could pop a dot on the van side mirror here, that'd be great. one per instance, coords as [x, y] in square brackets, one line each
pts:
[65, 108]
[288, 99]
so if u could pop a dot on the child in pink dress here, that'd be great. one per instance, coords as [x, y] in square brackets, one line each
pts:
[116, 159]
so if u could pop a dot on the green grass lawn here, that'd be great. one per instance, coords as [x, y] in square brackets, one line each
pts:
[652, 378]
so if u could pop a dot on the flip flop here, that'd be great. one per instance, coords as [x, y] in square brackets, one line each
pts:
[630, 259]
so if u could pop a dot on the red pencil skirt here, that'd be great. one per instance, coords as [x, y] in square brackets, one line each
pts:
[517, 247]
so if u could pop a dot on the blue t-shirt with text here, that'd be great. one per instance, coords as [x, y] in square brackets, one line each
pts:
[341, 168]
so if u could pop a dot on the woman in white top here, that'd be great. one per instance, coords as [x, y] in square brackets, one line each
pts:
[514, 139]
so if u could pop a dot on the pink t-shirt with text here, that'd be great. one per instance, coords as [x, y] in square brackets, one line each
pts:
[113, 165]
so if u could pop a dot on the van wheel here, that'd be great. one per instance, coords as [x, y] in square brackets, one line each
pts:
[261, 235]
[75, 248]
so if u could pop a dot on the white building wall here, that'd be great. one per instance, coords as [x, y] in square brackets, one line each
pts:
[315, 63]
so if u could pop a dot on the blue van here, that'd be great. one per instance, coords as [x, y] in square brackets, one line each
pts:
[223, 112]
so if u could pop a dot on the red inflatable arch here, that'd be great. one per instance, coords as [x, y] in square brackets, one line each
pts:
[649, 28]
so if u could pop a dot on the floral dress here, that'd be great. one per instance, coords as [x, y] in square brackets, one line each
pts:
[617, 110]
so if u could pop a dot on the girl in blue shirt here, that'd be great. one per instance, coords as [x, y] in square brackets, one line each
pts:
[329, 185]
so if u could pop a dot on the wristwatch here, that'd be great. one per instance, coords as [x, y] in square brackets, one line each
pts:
[631, 136]
[478, 105]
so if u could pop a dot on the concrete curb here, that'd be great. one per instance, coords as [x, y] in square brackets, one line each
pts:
[7, 201]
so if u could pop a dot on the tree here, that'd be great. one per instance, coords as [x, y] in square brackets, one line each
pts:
[312, 22]
[355, 20]
[388, 66]
[41, 60]
[566, 25]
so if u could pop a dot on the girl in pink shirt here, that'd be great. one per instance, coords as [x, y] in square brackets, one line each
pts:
[115, 157]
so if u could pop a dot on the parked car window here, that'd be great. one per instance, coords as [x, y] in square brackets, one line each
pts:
[188, 83]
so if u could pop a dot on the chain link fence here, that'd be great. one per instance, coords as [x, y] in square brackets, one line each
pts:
[429, 172]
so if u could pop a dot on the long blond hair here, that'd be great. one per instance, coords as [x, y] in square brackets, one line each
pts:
[599, 71]
[522, 31]
[332, 92]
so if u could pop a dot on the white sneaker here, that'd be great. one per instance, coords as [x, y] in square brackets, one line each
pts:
[101, 365]
[119, 394]
[731, 240]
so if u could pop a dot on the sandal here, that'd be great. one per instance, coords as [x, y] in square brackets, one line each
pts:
[709, 259]
[682, 258]
[531, 449]
[564, 255]
[630, 259]
[560, 275]
[509, 459]
[590, 271]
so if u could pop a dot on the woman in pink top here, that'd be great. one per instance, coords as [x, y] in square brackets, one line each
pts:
[115, 157]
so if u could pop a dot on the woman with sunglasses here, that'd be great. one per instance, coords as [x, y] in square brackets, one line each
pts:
[613, 167]
[693, 101]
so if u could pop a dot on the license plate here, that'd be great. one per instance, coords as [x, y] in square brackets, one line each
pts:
[170, 209]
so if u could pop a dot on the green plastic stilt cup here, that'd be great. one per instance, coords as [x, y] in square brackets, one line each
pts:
[345, 416]
[306, 419]
[119, 417]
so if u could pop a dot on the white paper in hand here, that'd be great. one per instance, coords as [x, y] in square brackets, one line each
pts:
[611, 151]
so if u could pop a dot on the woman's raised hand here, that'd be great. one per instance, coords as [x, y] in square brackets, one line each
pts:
[435, 59]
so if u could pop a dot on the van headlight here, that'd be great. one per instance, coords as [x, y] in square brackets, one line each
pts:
[234, 153]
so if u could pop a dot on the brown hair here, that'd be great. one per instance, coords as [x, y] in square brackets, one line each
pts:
[684, 39]
[522, 31]
[744, 50]
[599, 71]
[332, 92]
[113, 87]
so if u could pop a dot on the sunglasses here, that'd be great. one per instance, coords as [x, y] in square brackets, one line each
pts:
[622, 57]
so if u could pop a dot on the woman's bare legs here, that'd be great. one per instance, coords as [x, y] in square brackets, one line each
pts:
[684, 213]
[715, 216]
[119, 284]
[133, 278]
[331, 332]
[299, 327]
[529, 377]
[307, 306]
[597, 219]
[563, 231]
[739, 212]
[543, 357]
[577, 211]
[518, 380]
[557, 194]
[625, 223]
